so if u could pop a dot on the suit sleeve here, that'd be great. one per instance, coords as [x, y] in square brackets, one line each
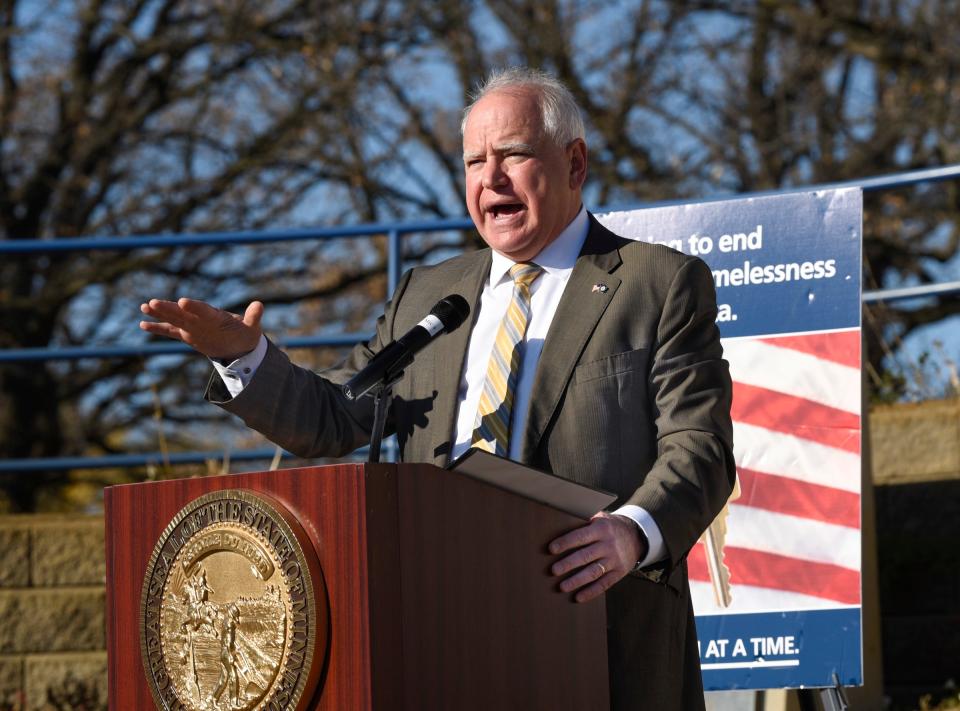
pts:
[690, 392]
[304, 412]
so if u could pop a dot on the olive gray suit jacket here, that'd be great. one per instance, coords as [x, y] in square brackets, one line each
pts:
[631, 395]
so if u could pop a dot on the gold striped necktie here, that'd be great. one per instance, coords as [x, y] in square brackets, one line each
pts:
[492, 430]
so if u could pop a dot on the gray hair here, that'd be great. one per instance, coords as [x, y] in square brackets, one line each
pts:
[559, 114]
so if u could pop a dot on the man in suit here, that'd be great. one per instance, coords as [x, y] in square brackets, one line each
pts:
[617, 380]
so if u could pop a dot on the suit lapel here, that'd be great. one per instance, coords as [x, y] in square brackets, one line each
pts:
[578, 312]
[451, 353]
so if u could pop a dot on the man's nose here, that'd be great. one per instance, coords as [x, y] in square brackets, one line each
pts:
[493, 175]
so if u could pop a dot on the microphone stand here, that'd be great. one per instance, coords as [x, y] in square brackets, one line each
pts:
[386, 367]
[381, 394]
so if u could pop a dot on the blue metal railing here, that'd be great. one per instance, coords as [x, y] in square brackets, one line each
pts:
[394, 233]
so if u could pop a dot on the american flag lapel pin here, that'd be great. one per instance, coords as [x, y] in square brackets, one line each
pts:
[601, 287]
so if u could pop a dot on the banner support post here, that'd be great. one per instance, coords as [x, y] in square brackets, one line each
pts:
[831, 698]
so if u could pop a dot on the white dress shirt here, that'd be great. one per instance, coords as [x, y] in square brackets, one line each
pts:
[557, 260]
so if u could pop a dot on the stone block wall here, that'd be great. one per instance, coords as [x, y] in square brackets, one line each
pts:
[52, 635]
[915, 442]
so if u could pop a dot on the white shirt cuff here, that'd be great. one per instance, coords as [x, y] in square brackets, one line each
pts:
[656, 550]
[238, 374]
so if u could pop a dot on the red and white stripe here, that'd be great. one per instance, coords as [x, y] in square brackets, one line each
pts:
[793, 535]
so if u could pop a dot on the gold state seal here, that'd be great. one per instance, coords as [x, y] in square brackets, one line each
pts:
[234, 609]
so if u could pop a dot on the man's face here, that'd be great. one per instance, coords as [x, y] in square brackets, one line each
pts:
[522, 189]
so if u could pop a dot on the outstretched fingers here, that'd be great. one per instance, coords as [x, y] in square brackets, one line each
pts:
[183, 320]
[211, 331]
[198, 310]
[158, 328]
[168, 312]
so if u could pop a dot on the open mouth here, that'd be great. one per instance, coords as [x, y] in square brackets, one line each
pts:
[507, 210]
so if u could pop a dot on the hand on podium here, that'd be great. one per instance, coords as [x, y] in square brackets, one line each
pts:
[211, 331]
[604, 551]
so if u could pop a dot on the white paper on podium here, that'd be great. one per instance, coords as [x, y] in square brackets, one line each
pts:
[561, 494]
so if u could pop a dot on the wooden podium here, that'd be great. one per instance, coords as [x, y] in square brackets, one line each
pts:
[438, 589]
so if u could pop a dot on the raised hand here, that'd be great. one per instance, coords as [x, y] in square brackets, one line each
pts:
[211, 331]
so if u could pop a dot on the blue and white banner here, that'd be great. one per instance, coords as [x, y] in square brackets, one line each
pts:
[776, 578]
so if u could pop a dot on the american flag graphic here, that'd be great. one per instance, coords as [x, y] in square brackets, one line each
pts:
[793, 535]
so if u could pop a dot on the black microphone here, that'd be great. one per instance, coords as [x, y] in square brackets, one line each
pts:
[387, 365]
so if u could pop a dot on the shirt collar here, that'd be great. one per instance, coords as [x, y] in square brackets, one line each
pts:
[556, 258]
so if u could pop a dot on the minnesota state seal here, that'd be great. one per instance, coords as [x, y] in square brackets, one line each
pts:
[234, 608]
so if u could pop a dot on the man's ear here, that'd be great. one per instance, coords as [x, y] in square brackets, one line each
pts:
[577, 155]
